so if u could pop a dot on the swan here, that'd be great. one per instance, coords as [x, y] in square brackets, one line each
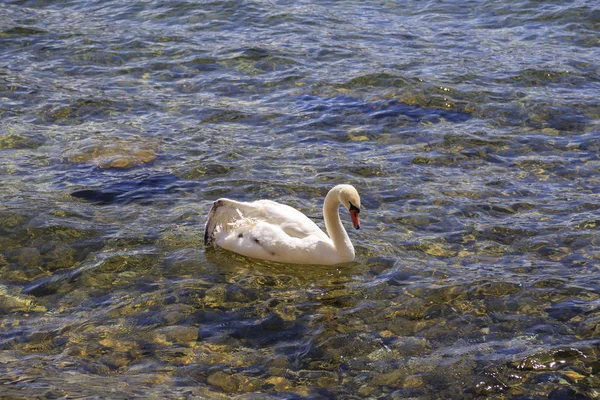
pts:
[273, 231]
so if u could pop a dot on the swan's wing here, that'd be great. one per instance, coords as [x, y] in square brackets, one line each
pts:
[225, 214]
[263, 240]
[256, 239]
[291, 221]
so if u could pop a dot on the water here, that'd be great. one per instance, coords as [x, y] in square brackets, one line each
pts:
[471, 129]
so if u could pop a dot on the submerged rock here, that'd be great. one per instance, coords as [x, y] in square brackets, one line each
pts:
[179, 334]
[111, 152]
[227, 383]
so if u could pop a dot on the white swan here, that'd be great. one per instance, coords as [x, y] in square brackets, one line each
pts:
[272, 231]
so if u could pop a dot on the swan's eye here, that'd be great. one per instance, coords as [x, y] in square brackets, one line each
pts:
[354, 208]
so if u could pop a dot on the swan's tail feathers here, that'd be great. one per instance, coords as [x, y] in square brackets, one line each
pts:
[212, 222]
[223, 214]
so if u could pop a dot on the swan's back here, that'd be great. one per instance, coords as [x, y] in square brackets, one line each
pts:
[227, 215]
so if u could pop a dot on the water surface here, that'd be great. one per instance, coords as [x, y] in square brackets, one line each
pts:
[470, 128]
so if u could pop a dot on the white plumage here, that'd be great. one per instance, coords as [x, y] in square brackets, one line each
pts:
[269, 230]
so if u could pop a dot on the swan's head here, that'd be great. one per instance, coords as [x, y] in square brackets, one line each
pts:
[349, 197]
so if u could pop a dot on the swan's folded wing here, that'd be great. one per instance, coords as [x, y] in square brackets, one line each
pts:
[293, 230]
[291, 221]
[263, 240]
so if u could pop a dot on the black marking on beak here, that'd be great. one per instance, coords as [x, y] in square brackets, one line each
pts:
[354, 215]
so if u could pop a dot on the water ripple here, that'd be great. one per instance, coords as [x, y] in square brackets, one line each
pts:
[471, 130]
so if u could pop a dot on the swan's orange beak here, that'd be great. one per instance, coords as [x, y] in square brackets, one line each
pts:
[354, 216]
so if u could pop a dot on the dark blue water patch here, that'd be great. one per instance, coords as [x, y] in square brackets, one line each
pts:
[566, 310]
[150, 318]
[378, 110]
[51, 284]
[566, 393]
[561, 118]
[259, 332]
[143, 191]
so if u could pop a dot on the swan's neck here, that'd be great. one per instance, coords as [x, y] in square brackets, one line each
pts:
[336, 231]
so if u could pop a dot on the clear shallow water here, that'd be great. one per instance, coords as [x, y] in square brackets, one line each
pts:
[470, 128]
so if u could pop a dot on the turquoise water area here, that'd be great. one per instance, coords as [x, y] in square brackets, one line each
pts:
[470, 128]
